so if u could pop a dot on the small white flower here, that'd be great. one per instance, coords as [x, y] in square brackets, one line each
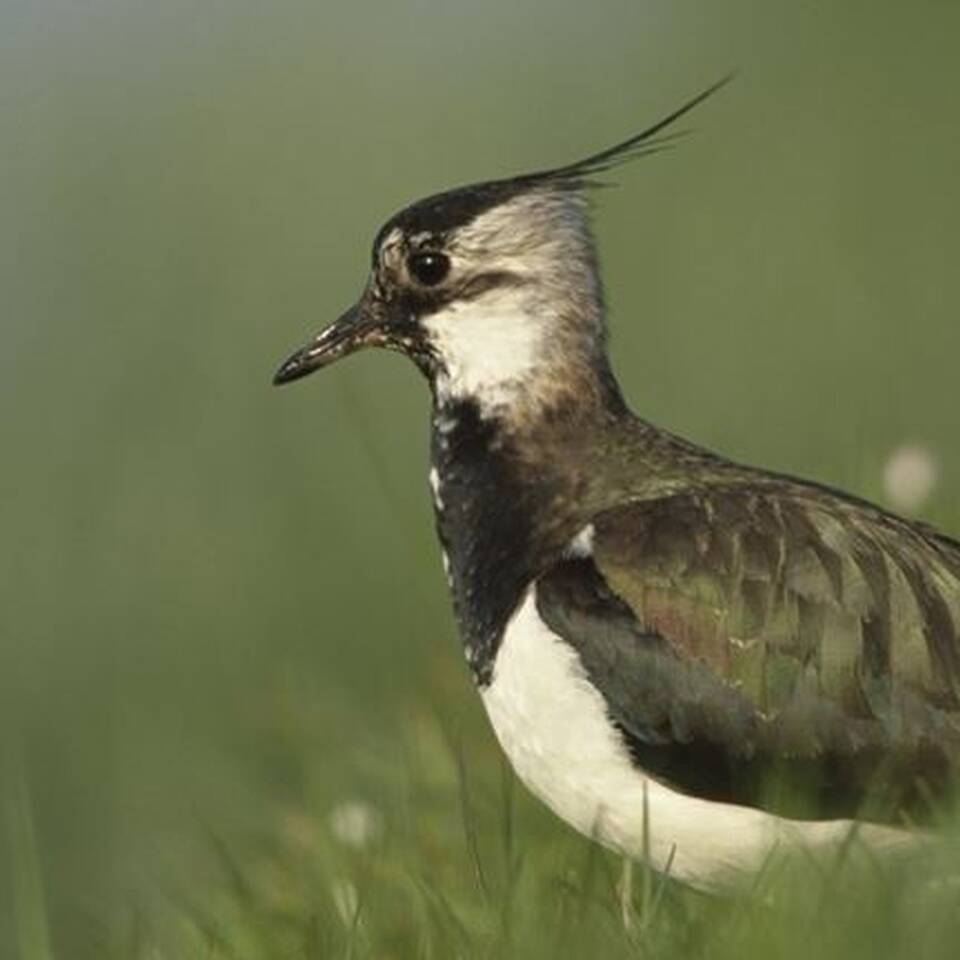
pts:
[909, 476]
[355, 823]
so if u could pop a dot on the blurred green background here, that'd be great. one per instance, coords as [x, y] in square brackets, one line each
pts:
[222, 612]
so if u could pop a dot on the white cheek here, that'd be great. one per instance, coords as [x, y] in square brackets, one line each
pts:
[488, 349]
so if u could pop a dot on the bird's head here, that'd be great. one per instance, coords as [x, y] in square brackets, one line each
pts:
[491, 289]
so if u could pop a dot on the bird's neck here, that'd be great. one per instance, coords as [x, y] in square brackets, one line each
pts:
[510, 493]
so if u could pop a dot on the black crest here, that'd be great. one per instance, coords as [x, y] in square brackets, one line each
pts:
[445, 211]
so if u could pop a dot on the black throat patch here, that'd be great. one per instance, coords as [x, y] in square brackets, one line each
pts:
[489, 512]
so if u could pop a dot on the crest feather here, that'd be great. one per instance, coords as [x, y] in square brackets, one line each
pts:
[455, 208]
[640, 144]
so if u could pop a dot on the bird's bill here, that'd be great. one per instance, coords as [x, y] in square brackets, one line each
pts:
[354, 329]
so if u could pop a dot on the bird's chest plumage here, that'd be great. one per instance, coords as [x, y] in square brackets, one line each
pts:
[486, 522]
[506, 504]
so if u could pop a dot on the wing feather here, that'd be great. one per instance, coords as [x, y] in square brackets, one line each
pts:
[737, 631]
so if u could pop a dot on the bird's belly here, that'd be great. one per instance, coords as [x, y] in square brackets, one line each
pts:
[554, 727]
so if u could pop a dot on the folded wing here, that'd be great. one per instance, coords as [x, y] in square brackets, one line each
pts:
[773, 646]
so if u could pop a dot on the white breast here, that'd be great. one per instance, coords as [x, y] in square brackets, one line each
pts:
[554, 726]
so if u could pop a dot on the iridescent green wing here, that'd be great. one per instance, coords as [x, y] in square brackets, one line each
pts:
[744, 630]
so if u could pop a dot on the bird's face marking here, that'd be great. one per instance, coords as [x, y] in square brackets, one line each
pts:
[485, 307]
[500, 308]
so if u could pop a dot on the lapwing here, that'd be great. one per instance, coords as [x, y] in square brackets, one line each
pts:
[685, 658]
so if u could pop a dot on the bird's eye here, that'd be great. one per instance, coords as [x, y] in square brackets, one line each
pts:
[428, 267]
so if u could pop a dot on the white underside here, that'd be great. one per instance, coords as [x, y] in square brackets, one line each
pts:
[555, 729]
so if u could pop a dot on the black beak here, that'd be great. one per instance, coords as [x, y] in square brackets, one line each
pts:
[353, 330]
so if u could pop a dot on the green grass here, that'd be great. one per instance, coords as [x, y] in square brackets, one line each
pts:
[448, 858]
[29, 903]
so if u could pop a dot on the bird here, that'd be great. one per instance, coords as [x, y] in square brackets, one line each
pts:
[692, 661]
